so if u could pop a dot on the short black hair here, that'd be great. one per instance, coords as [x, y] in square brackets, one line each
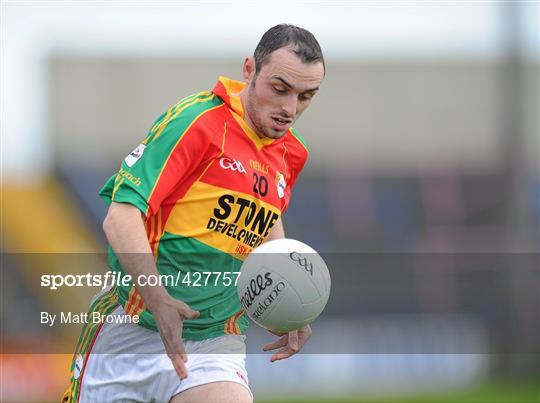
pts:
[301, 41]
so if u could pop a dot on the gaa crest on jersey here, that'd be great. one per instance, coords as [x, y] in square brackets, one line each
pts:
[134, 156]
[232, 164]
[280, 184]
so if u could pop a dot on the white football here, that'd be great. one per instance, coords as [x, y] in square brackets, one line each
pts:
[284, 285]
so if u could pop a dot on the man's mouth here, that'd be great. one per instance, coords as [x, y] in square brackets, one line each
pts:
[281, 122]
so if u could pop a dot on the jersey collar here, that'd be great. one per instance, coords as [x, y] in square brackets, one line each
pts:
[229, 91]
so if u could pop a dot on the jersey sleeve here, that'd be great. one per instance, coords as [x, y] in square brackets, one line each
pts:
[173, 149]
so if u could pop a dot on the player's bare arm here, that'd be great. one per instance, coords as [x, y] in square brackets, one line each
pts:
[125, 231]
[277, 232]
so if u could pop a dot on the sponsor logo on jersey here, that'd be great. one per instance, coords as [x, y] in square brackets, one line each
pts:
[134, 156]
[242, 220]
[259, 166]
[280, 185]
[79, 364]
[232, 164]
[129, 176]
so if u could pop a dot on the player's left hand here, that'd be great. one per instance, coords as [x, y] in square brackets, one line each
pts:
[289, 343]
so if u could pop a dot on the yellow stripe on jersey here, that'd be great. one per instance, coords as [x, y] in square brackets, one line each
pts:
[134, 304]
[178, 111]
[231, 326]
[159, 234]
[285, 151]
[160, 123]
[180, 138]
[159, 127]
[116, 187]
[130, 300]
[247, 218]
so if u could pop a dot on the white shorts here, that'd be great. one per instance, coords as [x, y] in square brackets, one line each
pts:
[127, 363]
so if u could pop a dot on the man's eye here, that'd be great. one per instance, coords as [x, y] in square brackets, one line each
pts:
[305, 97]
[280, 90]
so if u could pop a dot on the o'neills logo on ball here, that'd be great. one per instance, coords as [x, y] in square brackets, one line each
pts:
[254, 288]
[263, 306]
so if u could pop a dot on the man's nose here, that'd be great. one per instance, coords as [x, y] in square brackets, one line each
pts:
[290, 105]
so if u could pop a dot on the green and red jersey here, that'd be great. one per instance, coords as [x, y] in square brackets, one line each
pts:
[210, 190]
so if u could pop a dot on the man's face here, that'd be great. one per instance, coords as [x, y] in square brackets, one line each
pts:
[280, 92]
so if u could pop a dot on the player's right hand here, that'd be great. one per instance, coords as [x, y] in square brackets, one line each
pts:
[169, 315]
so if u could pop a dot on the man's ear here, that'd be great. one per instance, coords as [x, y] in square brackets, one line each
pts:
[248, 70]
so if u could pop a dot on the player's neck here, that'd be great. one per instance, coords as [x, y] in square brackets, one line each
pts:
[246, 117]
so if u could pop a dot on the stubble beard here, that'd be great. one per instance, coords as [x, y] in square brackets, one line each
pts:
[255, 118]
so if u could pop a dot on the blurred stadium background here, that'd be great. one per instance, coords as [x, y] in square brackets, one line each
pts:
[424, 153]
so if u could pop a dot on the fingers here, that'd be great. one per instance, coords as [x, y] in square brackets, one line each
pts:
[289, 345]
[281, 342]
[175, 350]
[179, 364]
[169, 318]
[177, 354]
[187, 312]
[293, 341]
[171, 335]
[282, 354]
[305, 332]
